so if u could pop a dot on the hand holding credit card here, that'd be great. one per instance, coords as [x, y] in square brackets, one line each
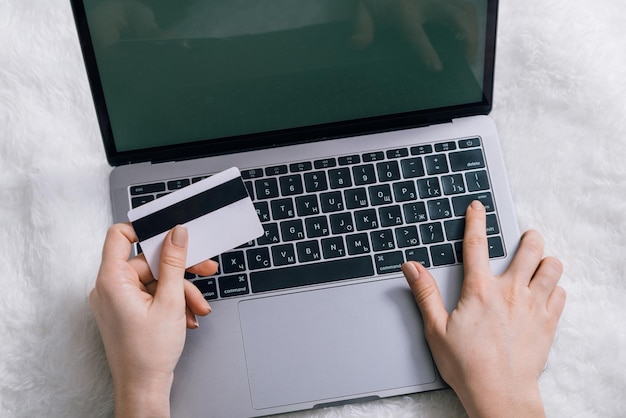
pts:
[217, 211]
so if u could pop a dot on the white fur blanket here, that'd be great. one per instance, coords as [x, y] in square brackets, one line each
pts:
[560, 106]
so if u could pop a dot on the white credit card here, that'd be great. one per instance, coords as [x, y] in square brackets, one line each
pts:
[217, 212]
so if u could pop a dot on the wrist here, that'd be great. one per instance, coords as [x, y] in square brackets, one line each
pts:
[148, 398]
[503, 402]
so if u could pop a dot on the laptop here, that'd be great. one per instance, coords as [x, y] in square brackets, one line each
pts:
[361, 132]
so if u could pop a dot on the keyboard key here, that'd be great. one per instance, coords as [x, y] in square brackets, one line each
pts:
[349, 160]
[339, 178]
[453, 184]
[333, 247]
[331, 202]
[282, 209]
[442, 254]
[292, 230]
[455, 229]
[142, 200]
[270, 236]
[178, 184]
[365, 219]
[439, 209]
[356, 198]
[252, 173]
[276, 170]
[496, 248]
[373, 156]
[283, 255]
[418, 254]
[414, 212]
[291, 185]
[266, 188]
[421, 149]
[431, 233]
[341, 223]
[233, 285]
[233, 262]
[406, 236]
[460, 203]
[307, 205]
[388, 171]
[208, 287]
[358, 244]
[197, 179]
[477, 181]
[364, 174]
[316, 227]
[389, 262]
[308, 251]
[492, 225]
[469, 143]
[263, 211]
[147, 188]
[315, 182]
[298, 167]
[436, 164]
[325, 163]
[445, 146]
[382, 240]
[467, 160]
[458, 249]
[412, 167]
[258, 258]
[380, 194]
[404, 191]
[397, 153]
[390, 216]
[310, 274]
[429, 187]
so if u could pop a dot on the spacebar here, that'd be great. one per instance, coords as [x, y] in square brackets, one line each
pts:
[308, 274]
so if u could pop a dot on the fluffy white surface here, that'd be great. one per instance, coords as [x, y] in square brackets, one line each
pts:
[560, 104]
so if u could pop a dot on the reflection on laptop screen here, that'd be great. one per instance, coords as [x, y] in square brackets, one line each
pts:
[191, 70]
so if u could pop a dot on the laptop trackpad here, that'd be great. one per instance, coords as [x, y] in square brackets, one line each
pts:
[347, 341]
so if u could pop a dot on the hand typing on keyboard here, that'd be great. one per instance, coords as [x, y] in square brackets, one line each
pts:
[142, 325]
[492, 348]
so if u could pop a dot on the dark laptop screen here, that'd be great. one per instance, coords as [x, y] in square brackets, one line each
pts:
[206, 71]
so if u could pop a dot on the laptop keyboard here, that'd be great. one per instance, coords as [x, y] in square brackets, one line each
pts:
[352, 216]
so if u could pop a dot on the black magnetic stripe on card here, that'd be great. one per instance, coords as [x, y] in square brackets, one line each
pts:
[189, 209]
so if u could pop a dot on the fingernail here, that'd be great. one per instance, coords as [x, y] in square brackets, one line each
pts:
[196, 323]
[209, 309]
[410, 271]
[179, 236]
[476, 205]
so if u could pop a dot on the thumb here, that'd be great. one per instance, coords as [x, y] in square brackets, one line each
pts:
[170, 290]
[426, 294]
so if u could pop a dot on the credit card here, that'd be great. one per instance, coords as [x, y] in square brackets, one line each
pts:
[217, 211]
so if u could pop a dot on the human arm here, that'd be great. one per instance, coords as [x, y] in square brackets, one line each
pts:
[492, 348]
[143, 322]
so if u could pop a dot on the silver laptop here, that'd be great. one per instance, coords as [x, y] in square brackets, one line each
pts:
[361, 133]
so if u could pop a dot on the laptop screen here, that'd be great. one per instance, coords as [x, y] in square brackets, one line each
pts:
[225, 73]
